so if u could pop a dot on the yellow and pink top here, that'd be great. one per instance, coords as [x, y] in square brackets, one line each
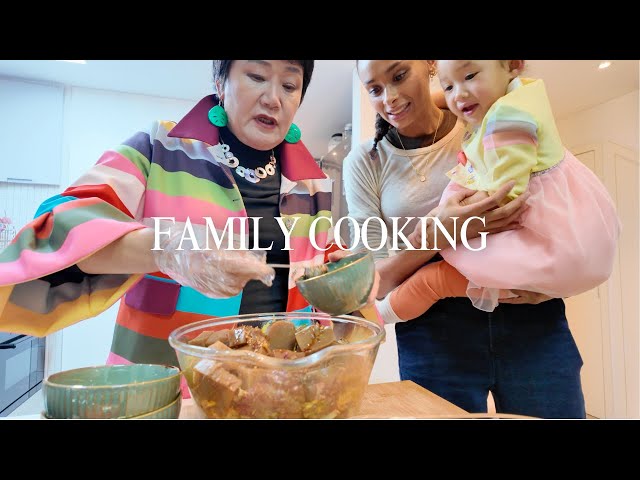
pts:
[518, 136]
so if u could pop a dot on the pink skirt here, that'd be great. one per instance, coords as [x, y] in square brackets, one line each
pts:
[566, 246]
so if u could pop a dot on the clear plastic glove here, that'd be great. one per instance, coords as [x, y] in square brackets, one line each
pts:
[216, 273]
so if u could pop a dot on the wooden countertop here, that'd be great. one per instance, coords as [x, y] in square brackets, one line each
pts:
[404, 400]
[381, 400]
[384, 400]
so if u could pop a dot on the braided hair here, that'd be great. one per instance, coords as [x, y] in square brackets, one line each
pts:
[382, 128]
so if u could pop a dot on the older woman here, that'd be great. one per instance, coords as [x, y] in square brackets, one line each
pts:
[236, 154]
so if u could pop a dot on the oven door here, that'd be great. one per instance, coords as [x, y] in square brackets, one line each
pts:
[16, 369]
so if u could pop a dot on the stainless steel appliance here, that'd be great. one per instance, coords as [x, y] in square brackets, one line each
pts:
[21, 369]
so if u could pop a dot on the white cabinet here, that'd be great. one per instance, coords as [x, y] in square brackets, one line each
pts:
[31, 117]
[605, 321]
[588, 320]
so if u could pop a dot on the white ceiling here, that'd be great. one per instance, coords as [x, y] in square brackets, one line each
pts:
[575, 85]
[572, 85]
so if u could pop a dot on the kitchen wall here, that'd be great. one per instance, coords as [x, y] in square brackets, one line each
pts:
[30, 131]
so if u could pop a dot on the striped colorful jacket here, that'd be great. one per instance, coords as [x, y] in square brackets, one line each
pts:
[168, 171]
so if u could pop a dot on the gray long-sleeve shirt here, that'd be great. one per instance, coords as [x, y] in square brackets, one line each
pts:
[389, 186]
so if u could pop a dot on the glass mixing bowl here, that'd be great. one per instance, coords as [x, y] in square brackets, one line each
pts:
[330, 383]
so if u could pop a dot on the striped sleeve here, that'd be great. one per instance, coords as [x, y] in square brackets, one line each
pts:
[41, 289]
[510, 148]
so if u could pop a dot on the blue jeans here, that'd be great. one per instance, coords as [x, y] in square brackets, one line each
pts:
[524, 354]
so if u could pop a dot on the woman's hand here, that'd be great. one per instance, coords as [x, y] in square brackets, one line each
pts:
[497, 218]
[338, 254]
[216, 273]
[470, 203]
[524, 296]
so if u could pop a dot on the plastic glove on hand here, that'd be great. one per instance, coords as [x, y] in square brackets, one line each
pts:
[216, 273]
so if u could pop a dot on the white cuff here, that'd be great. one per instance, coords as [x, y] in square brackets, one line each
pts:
[386, 312]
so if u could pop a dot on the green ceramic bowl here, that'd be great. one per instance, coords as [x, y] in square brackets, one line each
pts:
[167, 412]
[344, 288]
[110, 391]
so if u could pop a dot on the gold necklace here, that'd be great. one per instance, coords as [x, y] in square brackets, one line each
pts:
[422, 176]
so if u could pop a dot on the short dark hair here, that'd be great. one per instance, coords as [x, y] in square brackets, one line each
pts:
[221, 71]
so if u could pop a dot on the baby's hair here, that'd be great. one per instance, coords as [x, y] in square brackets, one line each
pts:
[505, 64]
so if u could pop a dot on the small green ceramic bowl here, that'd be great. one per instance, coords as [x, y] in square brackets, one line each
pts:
[344, 288]
[167, 412]
[110, 391]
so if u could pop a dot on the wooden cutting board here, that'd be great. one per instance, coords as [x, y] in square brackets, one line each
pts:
[405, 400]
[384, 400]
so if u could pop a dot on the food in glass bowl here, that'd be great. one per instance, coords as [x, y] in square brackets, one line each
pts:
[280, 365]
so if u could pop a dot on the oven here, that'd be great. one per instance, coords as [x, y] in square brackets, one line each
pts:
[21, 369]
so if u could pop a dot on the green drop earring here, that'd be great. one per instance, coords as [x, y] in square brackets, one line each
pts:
[293, 135]
[218, 116]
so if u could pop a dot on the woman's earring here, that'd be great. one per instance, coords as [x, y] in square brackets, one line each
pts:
[293, 135]
[218, 116]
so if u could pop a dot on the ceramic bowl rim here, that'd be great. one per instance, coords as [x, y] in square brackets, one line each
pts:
[365, 256]
[51, 383]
